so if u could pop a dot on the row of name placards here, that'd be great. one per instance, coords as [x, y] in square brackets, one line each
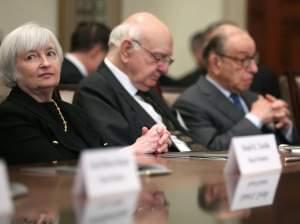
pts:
[108, 172]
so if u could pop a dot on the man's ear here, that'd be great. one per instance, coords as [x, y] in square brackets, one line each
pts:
[95, 50]
[126, 50]
[215, 62]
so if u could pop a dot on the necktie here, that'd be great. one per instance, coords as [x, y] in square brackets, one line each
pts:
[165, 119]
[169, 123]
[237, 102]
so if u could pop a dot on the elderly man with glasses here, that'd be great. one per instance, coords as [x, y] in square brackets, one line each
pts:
[220, 106]
[120, 97]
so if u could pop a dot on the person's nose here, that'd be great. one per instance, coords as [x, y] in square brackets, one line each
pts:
[253, 68]
[44, 60]
[163, 67]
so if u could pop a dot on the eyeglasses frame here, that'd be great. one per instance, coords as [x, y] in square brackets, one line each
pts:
[158, 57]
[244, 62]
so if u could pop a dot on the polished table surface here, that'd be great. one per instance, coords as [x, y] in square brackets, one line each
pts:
[195, 192]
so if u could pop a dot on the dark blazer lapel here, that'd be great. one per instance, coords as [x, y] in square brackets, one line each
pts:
[123, 94]
[220, 102]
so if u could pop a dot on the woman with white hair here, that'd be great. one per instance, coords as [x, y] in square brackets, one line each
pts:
[34, 125]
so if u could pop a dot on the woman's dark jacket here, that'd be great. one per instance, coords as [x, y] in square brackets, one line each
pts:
[30, 133]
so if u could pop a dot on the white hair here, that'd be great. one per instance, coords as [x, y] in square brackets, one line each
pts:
[121, 32]
[30, 36]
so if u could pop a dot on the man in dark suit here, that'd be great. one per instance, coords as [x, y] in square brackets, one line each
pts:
[119, 97]
[89, 45]
[220, 106]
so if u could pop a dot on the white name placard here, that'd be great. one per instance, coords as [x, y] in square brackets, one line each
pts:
[106, 172]
[6, 205]
[252, 191]
[253, 154]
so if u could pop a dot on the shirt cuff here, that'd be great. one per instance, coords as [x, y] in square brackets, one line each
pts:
[254, 120]
[288, 133]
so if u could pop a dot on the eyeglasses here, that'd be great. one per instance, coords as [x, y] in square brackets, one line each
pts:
[244, 62]
[158, 57]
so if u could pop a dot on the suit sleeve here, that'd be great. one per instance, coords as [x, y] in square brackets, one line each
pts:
[106, 115]
[205, 130]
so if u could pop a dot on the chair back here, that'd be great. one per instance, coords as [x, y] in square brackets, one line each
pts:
[66, 92]
[170, 94]
[290, 89]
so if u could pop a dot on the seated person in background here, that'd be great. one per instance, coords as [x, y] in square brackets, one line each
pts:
[220, 106]
[119, 97]
[196, 46]
[88, 49]
[34, 126]
[264, 82]
[190, 78]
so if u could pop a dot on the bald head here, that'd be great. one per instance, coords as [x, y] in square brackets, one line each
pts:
[226, 30]
[142, 47]
[142, 26]
[142, 17]
[219, 37]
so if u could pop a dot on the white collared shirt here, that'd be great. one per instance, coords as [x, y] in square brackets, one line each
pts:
[132, 90]
[77, 63]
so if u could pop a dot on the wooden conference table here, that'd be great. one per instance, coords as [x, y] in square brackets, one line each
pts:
[195, 192]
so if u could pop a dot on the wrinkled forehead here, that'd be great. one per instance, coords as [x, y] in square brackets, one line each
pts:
[240, 42]
[157, 38]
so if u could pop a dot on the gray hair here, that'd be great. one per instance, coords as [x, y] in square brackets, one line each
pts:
[216, 44]
[121, 32]
[29, 36]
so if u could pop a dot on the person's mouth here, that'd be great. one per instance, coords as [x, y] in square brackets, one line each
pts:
[46, 74]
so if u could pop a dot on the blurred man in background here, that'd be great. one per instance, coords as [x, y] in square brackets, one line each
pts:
[89, 45]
